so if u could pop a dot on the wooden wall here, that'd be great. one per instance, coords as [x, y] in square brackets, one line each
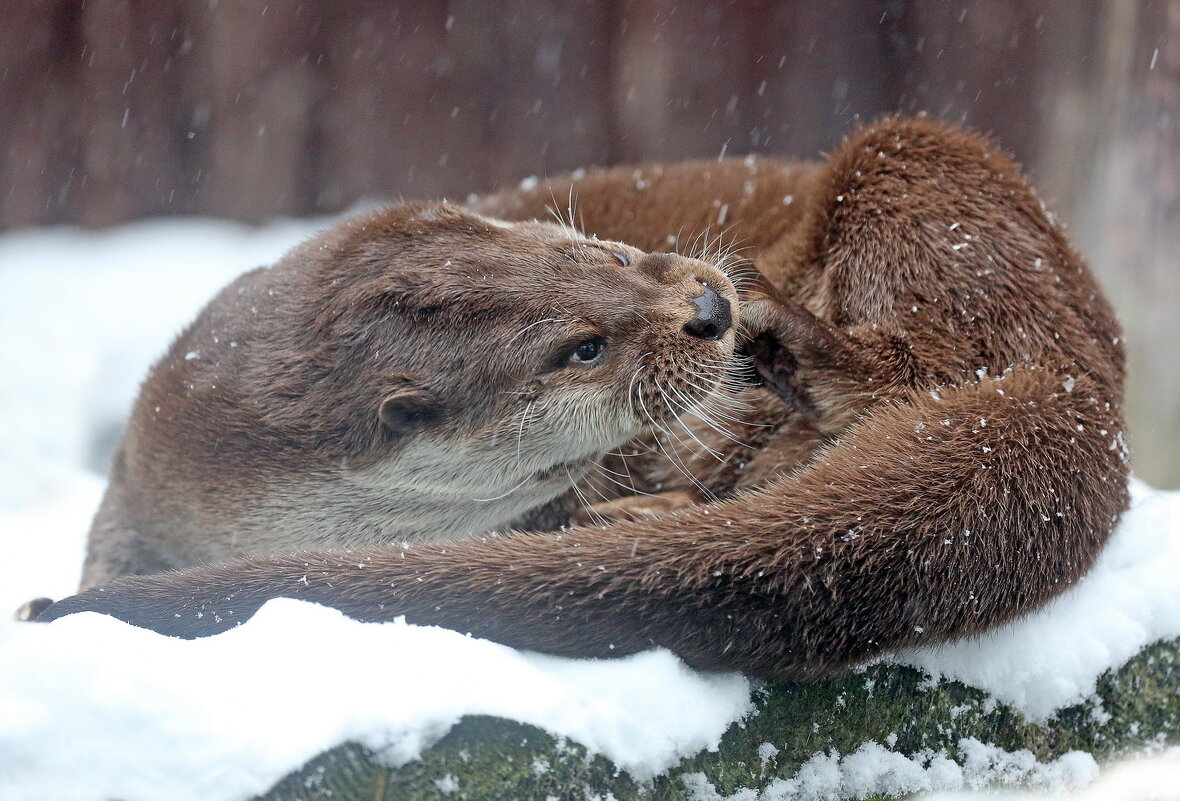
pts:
[116, 109]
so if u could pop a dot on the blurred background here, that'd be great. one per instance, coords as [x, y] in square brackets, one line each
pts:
[114, 110]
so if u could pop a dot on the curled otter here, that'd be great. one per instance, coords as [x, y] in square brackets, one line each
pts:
[936, 443]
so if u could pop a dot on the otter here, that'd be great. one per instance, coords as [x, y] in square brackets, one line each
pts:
[935, 444]
[418, 372]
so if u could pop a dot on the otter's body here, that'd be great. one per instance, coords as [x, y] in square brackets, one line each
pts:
[936, 447]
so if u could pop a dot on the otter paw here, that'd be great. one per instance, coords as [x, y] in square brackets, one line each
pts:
[631, 507]
[783, 340]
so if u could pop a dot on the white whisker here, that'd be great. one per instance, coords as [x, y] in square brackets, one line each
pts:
[503, 495]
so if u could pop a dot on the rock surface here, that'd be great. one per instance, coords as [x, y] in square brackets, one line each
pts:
[796, 745]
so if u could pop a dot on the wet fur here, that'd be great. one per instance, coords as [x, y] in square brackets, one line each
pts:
[936, 447]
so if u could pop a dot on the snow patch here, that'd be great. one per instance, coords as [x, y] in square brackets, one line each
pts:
[873, 770]
[1155, 778]
[97, 709]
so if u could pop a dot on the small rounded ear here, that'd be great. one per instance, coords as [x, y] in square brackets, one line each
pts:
[409, 408]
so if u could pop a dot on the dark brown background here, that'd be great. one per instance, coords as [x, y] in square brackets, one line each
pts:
[117, 109]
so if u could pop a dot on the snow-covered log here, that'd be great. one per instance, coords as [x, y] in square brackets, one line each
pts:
[887, 731]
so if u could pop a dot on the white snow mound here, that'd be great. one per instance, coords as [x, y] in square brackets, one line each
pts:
[97, 709]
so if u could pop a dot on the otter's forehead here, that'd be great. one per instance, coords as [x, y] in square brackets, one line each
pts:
[451, 259]
[438, 266]
[509, 289]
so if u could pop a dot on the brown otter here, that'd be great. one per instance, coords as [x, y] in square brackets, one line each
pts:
[420, 372]
[938, 445]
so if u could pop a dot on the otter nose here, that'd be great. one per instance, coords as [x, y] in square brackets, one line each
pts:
[713, 319]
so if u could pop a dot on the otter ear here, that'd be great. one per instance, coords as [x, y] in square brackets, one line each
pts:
[409, 408]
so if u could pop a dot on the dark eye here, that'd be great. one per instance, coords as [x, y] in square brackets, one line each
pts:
[588, 351]
[622, 258]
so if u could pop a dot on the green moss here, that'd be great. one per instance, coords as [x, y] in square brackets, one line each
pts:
[1136, 708]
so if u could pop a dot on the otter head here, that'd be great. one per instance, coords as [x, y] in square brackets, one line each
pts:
[477, 368]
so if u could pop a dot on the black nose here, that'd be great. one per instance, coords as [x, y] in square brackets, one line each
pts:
[713, 318]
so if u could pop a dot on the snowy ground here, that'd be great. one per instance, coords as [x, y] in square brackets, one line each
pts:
[93, 709]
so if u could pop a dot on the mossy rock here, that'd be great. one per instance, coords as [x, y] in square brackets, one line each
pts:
[1135, 709]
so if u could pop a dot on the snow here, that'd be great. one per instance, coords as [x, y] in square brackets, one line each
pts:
[93, 709]
[875, 770]
[1155, 778]
[223, 718]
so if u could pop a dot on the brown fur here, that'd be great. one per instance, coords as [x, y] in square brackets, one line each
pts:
[938, 444]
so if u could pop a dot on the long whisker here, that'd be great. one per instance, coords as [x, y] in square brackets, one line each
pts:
[673, 458]
[723, 399]
[631, 488]
[538, 322]
[591, 485]
[701, 413]
[706, 409]
[635, 377]
[503, 495]
[524, 419]
[674, 405]
[598, 519]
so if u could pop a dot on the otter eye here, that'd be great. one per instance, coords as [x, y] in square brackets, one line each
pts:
[588, 351]
[622, 258]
